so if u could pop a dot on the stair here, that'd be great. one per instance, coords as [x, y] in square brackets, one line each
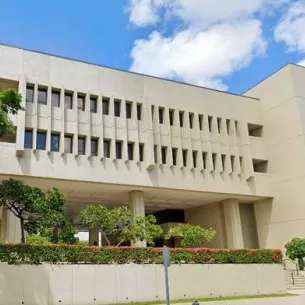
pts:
[294, 281]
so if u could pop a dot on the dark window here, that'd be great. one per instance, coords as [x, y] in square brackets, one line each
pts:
[118, 149]
[55, 98]
[81, 102]
[219, 125]
[117, 108]
[181, 117]
[130, 149]
[260, 166]
[28, 139]
[156, 153]
[223, 161]
[195, 153]
[161, 115]
[94, 146]
[81, 144]
[55, 139]
[241, 163]
[107, 144]
[214, 160]
[174, 155]
[29, 93]
[163, 153]
[68, 100]
[171, 116]
[200, 116]
[184, 157]
[41, 140]
[105, 103]
[232, 162]
[141, 151]
[228, 126]
[152, 112]
[139, 112]
[93, 104]
[210, 119]
[255, 130]
[68, 144]
[236, 128]
[128, 110]
[204, 160]
[42, 96]
[191, 119]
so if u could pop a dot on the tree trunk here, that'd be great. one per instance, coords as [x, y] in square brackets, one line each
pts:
[22, 230]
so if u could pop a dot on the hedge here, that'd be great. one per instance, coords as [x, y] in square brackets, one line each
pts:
[55, 254]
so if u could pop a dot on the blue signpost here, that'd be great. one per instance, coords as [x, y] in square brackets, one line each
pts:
[166, 263]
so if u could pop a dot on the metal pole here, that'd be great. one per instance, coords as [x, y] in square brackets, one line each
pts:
[166, 262]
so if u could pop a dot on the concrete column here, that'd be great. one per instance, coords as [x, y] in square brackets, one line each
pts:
[137, 206]
[233, 224]
[94, 237]
[10, 228]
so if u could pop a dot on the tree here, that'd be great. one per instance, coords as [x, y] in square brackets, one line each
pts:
[10, 103]
[295, 250]
[118, 222]
[191, 235]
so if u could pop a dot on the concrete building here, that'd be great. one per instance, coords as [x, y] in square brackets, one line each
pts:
[235, 163]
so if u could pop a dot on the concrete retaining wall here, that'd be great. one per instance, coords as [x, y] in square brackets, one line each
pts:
[106, 284]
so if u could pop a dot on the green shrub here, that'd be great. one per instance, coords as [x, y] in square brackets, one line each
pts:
[37, 239]
[75, 254]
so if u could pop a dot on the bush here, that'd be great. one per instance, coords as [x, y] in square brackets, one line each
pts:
[37, 239]
[54, 254]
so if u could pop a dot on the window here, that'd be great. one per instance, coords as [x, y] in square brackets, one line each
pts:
[255, 130]
[41, 140]
[68, 100]
[55, 98]
[223, 161]
[118, 149]
[141, 151]
[42, 96]
[181, 117]
[161, 115]
[228, 126]
[105, 104]
[191, 119]
[28, 139]
[29, 93]
[184, 157]
[55, 139]
[152, 112]
[241, 163]
[163, 154]
[195, 153]
[117, 108]
[204, 160]
[232, 163]
[68, 144]
[81, 102]
[81, 145]
[130, 149]
[156, 153]
[210, 118]
[139, 111]
[128, 110]
[174, 155]
[106, 146]
[260, 166]
[214, 156]
[219, 125]
[236, 128]
[171, 116]
[200, 116]
[94, 146]
[93, 104]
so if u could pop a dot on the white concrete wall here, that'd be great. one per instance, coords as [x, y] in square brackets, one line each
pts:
[110, 284]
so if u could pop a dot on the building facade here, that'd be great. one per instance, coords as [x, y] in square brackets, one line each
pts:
[235, 163]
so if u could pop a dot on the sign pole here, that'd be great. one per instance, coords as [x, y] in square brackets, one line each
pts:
[166, 263]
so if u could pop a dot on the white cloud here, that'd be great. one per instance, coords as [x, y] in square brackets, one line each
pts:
[302, 63]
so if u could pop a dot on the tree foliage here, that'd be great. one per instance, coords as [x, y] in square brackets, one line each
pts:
[191, 235]
[10, 103]
[295, 250]
[118, 222]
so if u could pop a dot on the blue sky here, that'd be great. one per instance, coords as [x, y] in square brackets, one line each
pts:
[226, 46]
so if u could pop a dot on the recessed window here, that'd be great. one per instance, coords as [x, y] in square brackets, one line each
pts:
[118, 149]
[214, 156]
[156, 153]
[223, 161]
[55, 140]
[41, 140]
[81, 145]
[195, 154]
[42, 96]
[130, 150]
[232, 163]
[191, 119]
[55, 97]
[174, 155]
[68, 100]
[128, 110]
[93, 104]
[219, 125]
[139, 112]
[141, 151]
[94, 146]
[68, 144]
[184, 157]
[200, 116]
[260, 166]
[28, 139]
[210, 121]
[163, 154]
[152, 112]
[105, 104]
[204, 159]
[228, 125]
[161, 115]
[255, 130]
[81, 102]
[241, 162]
[181, 118]
[106, 146]
[171, 116]
[236, 128]
[117, 108]
[29, 93]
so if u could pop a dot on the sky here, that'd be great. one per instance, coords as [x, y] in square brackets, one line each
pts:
[222, 44]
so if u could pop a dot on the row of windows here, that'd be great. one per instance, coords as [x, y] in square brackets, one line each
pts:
[81, 102]
[81, 145]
